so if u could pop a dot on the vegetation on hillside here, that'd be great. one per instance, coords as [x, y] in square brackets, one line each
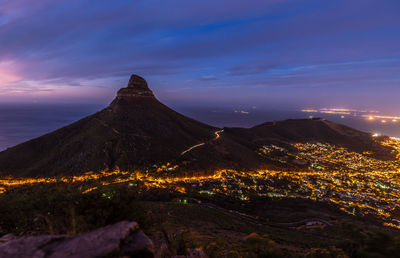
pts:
[220, 225]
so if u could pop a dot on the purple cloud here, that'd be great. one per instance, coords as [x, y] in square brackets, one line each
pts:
[70, 48]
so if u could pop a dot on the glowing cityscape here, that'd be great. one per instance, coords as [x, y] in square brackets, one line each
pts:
[356, 183]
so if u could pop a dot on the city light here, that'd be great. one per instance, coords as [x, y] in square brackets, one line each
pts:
[355, 113]
[357, 183]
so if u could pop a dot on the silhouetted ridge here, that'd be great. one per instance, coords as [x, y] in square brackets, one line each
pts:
[310, 130]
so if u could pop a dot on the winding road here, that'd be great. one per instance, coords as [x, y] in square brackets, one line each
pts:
[217, 136]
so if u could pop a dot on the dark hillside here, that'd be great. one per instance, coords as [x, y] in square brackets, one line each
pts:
[309, 130]
[135, 130]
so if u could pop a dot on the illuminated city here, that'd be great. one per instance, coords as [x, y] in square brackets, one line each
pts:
[357, 183]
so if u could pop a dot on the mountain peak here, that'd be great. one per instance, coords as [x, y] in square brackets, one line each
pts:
[137, 82]
[137, 87]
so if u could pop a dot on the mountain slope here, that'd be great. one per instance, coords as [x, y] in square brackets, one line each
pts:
[309, 130]
[135, 130]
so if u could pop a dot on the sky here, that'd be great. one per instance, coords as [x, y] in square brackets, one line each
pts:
[309, 53]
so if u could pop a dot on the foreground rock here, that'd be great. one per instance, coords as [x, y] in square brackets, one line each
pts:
[192, 253]
[123, 239]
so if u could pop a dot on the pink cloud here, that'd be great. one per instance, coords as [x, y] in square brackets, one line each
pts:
[8, 73]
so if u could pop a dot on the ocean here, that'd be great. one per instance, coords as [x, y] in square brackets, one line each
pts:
[22, 122]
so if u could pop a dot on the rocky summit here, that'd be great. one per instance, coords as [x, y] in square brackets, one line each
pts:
[137, 88]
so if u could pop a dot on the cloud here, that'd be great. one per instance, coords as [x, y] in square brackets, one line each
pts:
[8, 73]
[251, 69]
[309, 45]
[206, 78]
